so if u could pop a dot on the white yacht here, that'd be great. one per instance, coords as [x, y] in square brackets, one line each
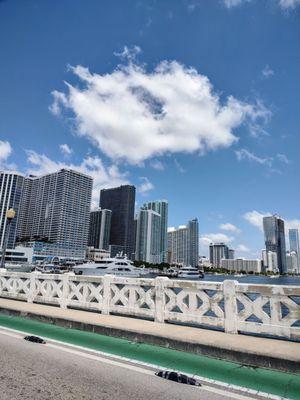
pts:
[190, 272]
[119, 265]
[18, 267]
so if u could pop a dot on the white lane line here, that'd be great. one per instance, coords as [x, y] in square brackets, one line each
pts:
[123, 363]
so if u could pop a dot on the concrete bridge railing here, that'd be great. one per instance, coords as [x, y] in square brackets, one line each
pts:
[230, 306]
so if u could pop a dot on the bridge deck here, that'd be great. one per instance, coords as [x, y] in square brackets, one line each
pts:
[256, 351]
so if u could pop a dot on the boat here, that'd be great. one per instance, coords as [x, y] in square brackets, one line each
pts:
[169, 273]
[49, 269]
[190, 272]
[18, 267]
[119, 266]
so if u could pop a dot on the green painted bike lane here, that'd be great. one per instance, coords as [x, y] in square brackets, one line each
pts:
[273, 382]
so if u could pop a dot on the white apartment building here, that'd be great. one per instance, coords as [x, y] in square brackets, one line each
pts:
[242, 264]
[270, 261]
[148, 237]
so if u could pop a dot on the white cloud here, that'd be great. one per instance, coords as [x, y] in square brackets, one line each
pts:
[145, 185]
[233, 3]
[242, 248]
[292, 224]
[284, 4]
[283, 158]
[133, 114]
[267, 72]
[229, 227]
[5, 153]
[5, 150]
[255, 218]
[129, 53]
[215, 238]
[65, 149]
[103, 177]
[158, 165]
[208, 238]
[244, 154]
[179, 166]
[289, 4]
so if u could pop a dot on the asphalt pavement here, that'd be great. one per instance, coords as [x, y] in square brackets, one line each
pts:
[51, 372]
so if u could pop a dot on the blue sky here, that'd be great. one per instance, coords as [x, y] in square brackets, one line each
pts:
[196, 102]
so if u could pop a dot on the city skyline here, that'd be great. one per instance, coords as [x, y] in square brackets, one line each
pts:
[24, 182]
[257, 87]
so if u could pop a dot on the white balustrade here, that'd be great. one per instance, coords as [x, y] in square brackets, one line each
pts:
[229, 305]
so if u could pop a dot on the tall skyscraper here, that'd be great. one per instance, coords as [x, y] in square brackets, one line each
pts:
[183, 244]
[148, 237]
[178, 245]
[99, 231]
[294, 245]
[121, 201]
[193, 242]
[161, 207]
[11, 186]
[294, 240]
[292, 262]
[217, 252]
[55, 208]
[275, 240]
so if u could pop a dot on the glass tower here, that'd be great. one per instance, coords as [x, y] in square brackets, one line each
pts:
[161, 207]
[275, 240]
[294, 245]
[217, 252]
[193, 242]
[100, 221]
[148, 236]
[121, 202]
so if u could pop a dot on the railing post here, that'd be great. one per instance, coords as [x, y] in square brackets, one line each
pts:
[107, 279]
[159, 313]
[32, 287]
[65, 291]
[230, 306]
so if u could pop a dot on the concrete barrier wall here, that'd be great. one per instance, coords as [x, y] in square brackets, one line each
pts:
[230, 306]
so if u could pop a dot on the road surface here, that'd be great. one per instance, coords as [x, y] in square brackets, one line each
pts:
[57, 372]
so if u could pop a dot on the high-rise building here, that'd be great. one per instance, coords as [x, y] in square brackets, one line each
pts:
[294, 240]
[178, 245]
[217, 252]
[294, 245]
[270, 261]
[121, 201]
[161, 207]
[292, 262]
[275, 240]
[148, 236]
[99, 230]
[230, 254]
[11, 186]
[193, 242]
[183, 244]
[55, 209]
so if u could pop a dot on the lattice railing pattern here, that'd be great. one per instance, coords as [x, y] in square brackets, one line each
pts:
[233, 307]
[133, 297]
[14, 286]
[271, 310]
[192, 302]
